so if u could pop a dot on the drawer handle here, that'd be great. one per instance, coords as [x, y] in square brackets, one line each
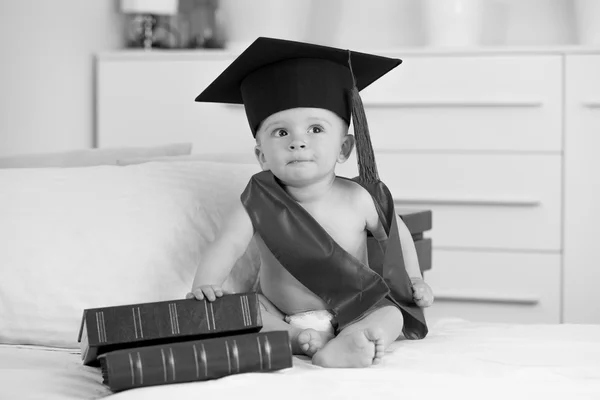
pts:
[450, 103]
[487, 298]
[591, 104]
[456, 201]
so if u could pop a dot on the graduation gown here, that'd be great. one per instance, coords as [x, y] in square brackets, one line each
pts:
[349, 287]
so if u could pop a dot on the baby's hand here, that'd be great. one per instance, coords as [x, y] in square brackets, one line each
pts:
[211, 292]
[422, 293]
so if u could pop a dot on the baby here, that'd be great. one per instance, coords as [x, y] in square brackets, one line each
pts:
[313, 228]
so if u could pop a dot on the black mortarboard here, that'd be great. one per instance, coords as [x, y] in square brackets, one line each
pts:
[273, 75]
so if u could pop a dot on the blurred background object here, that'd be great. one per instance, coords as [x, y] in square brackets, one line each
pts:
[172, 24]
[201, 24]
[144, 18]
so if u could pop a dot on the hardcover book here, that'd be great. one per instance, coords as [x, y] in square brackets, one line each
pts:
[111, 328]
[196, 360]
[417, 221]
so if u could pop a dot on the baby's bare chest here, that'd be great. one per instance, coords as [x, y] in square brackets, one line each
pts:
[345, 226]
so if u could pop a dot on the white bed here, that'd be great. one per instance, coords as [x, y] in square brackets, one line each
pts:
[89, 233]
[458, 359]
[37, 372]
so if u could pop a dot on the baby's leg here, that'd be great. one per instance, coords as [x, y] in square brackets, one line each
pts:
[304, 341]
[364, 342]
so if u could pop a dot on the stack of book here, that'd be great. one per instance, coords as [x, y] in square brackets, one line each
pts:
[180, 341]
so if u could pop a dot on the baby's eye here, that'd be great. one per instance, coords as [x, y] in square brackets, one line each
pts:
[280, 133]
[315, 129]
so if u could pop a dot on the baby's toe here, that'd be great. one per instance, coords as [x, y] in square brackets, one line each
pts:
[379, 352]
[304, 337]
[310, 341]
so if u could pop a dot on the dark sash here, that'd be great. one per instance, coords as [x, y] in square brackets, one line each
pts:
[309, 253]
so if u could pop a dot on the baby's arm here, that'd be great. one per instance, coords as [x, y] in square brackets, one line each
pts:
[422, 293]
[409, 251]
[221, 255]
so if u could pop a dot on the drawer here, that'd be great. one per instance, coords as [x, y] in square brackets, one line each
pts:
[495, 286]
[151, 102]
[582, 190]
[484, 201]
[468, 103]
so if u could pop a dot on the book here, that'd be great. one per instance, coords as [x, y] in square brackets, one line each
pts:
[417, 221]
[125, 326]
[196, 360]
[424, 253]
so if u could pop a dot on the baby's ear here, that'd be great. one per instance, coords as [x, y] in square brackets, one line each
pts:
[346, 150]
[260, 156]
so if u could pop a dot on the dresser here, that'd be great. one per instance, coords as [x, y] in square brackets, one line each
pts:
[502, 145]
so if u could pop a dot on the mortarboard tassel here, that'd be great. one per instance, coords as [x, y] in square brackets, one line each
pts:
[367, 168]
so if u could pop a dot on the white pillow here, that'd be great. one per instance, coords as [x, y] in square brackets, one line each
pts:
[234, 158]
[75, 238]
[91, 157]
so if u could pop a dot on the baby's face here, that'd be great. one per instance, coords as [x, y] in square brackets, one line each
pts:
[301, 145]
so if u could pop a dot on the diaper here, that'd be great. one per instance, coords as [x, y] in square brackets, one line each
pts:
[319, 320]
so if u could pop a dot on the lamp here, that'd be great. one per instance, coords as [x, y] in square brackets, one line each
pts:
[148, 11]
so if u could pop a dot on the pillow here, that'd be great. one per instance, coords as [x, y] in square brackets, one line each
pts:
[233, 158]
[91, 157]
[76, 238]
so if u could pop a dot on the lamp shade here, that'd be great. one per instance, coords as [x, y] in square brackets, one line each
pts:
[158, 7]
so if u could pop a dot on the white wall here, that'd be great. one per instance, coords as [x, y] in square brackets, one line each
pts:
[357, 23]
[46, 71]
[532, 22]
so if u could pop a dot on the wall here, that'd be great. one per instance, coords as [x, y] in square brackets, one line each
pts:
[401, 23]
[532, 22]
[46, 71]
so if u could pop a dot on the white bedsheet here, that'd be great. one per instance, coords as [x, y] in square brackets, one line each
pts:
[458, 359]
[32, 373]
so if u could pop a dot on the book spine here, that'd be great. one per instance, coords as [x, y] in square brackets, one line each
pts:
[159, 320]
[424, 253]
[417, 222]
[196, 360]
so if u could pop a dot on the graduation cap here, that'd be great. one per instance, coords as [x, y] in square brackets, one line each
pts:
[273, 75]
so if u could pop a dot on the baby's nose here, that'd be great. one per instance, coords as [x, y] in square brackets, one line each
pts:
[297, 145]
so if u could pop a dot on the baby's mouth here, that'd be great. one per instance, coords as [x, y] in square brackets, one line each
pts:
[299, 161]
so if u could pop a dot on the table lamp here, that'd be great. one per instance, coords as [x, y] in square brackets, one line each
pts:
[148, 11]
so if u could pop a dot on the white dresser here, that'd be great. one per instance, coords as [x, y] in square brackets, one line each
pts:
[502, 145]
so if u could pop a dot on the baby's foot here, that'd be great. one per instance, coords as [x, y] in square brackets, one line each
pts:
[310, 341]
[353, 350]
